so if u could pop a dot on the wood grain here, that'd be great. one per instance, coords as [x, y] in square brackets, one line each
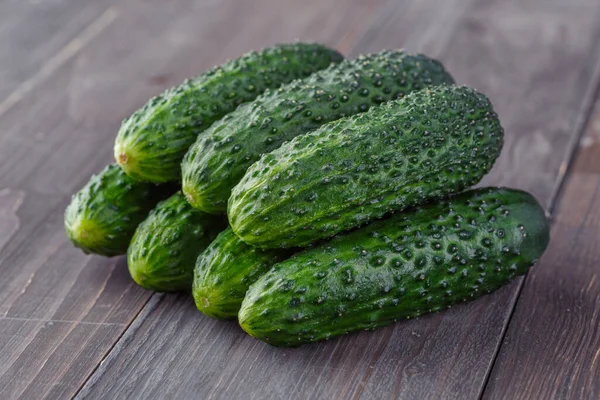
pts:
[552, 347]
[61, 311]
[536, 61]
[34, 33]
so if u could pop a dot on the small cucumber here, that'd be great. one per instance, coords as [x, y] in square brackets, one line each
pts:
[225, 270]
[425, 146]
[165, 245]
[104, 214]
[416, 262]
[152, 142]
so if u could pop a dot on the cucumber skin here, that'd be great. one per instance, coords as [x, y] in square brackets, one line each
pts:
[102, 217]
[220, 157]
[398, 268]
[225, 270]
[165, 245]
[152, 142]
[425, 146]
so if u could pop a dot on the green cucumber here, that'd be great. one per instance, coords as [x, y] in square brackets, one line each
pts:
[104, 214]
[416, 262]
[225, 270]
[152, 142]
[425, 146]
[165, 245]
[222, 154]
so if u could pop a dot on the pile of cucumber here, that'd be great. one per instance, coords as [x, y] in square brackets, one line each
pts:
[310, 196]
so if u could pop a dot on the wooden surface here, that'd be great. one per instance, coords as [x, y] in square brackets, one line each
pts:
[75, 325]
[554, 329]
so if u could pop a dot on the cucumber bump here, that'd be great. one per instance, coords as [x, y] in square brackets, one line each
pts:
[419, 261]
[165, 245]
[217, 161]
[225, 270]
[425, 146]
[103, 216]
[151, 143]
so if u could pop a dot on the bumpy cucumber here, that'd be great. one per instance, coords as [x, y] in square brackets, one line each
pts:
[225, 270]
[165, 245]
[104, 214]
[152, 142]
[222, 154]
[425, 146]
[416, 262]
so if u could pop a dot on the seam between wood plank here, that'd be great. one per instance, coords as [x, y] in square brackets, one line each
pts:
[121, 342]
[589, 99]
[71, 328]
[581, 124]
[4, 255]
[61, 58]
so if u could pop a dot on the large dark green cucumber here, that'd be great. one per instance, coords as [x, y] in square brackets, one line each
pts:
[425, 146]
[416, 262]
[221, 155]
[152, 142]
[165, 245]
[225, 270]
[104, 214]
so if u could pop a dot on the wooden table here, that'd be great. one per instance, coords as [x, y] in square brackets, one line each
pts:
[76, 325]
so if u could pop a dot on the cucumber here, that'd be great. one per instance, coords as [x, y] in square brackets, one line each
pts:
[152, 142]
[225, 270]
[165, 245]
[420, 261]
[220, 157]
[104, 214]
[425, 146]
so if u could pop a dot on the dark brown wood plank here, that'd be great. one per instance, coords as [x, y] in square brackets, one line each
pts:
[535, 60]
[62, 311]
[37, 36]
[552, 346]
